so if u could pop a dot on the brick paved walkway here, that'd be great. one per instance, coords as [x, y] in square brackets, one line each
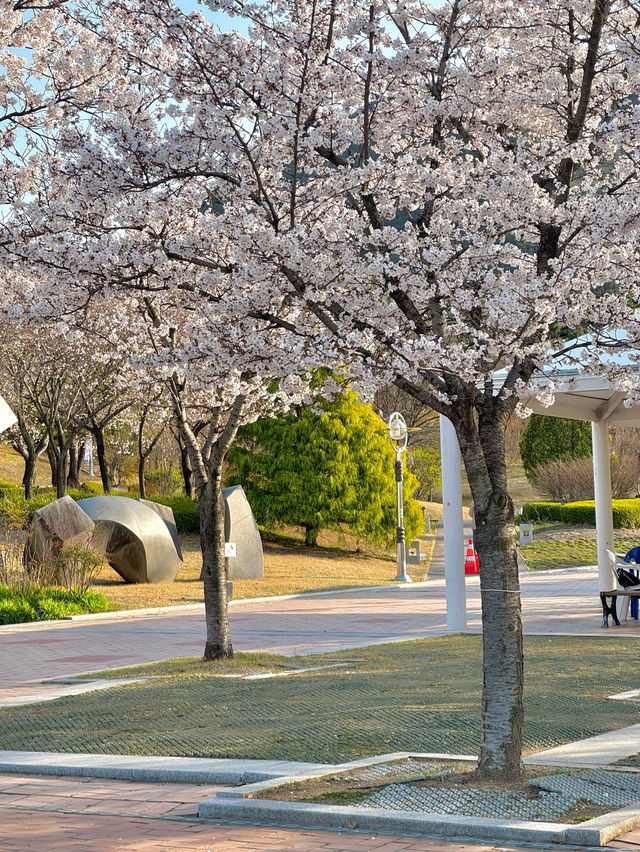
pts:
[61, 814]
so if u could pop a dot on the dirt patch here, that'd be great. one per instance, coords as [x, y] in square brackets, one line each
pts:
[584, 810]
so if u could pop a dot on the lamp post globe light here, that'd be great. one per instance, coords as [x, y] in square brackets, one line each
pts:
[398, 438]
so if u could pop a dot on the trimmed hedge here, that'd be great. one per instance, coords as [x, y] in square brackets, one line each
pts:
[184, 510]
[626, 513]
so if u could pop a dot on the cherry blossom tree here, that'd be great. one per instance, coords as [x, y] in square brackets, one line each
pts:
[432, 192]
[429, 195]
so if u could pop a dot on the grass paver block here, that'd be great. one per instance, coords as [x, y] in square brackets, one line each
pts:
[421, 696]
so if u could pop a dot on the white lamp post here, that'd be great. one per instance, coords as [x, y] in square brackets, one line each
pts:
[398, 438]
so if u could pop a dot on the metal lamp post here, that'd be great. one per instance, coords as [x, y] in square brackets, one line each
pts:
[398, 438]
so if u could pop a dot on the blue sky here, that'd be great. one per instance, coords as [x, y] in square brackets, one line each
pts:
[221, 20]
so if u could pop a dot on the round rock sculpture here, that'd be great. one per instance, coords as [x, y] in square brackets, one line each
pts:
[134, 538]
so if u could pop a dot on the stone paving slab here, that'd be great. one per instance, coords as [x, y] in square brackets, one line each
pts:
[187, 770]
[601, 750]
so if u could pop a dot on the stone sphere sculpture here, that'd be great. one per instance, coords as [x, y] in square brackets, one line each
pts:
[134, 538]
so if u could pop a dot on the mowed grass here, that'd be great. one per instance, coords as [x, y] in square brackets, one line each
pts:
[288, 569]
[546, 555]
[417, 696]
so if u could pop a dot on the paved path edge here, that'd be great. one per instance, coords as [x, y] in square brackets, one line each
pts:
[254, 774]
[164, 769]
[114, 614]
[598, 832]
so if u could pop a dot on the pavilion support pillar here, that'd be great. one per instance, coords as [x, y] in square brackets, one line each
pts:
[604, 510]
[453, 527]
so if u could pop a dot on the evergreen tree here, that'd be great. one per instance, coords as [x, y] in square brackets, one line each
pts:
[426, 465]
[548, 438]
[328, 469]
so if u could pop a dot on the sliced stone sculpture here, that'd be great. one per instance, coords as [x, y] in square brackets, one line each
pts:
[166, 513]
[240, 529]
[134, 539]
[59, 524]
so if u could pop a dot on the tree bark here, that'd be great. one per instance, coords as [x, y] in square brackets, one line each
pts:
[483, 451]
[98, 434]
[187, 473]
[53, 463]
[310, 535]
[61, 472]
[76, 454]
[29, 477]
[141, 487]
[214, 568]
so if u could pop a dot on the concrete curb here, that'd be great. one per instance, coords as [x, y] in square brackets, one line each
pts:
[229, 805]
[176, 770]
[236, 805]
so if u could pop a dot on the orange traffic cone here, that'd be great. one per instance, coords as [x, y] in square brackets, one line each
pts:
[470, 564]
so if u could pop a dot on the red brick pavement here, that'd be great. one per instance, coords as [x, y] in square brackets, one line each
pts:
[63, 814]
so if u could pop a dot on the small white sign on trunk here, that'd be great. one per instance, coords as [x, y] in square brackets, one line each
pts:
[7, 417]
[229, 548]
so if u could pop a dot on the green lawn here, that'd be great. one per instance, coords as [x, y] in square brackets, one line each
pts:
[414, 696]
[543, 555]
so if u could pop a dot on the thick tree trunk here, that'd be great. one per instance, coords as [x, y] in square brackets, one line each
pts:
[310, 535]
[98, 434]
[29, 477]
[214, 569]
[503, 674]
[61, 472]
[75, 461]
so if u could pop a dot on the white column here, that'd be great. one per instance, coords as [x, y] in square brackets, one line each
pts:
[604, 511]
[453, 529]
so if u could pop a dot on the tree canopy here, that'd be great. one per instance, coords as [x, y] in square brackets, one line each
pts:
[419, 193]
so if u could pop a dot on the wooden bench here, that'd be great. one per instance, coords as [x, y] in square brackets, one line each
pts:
[610, 609]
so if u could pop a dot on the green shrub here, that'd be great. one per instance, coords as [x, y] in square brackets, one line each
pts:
[626, 513]
[164, 481]
[45, 604]
[185, 512]
[16, 611]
